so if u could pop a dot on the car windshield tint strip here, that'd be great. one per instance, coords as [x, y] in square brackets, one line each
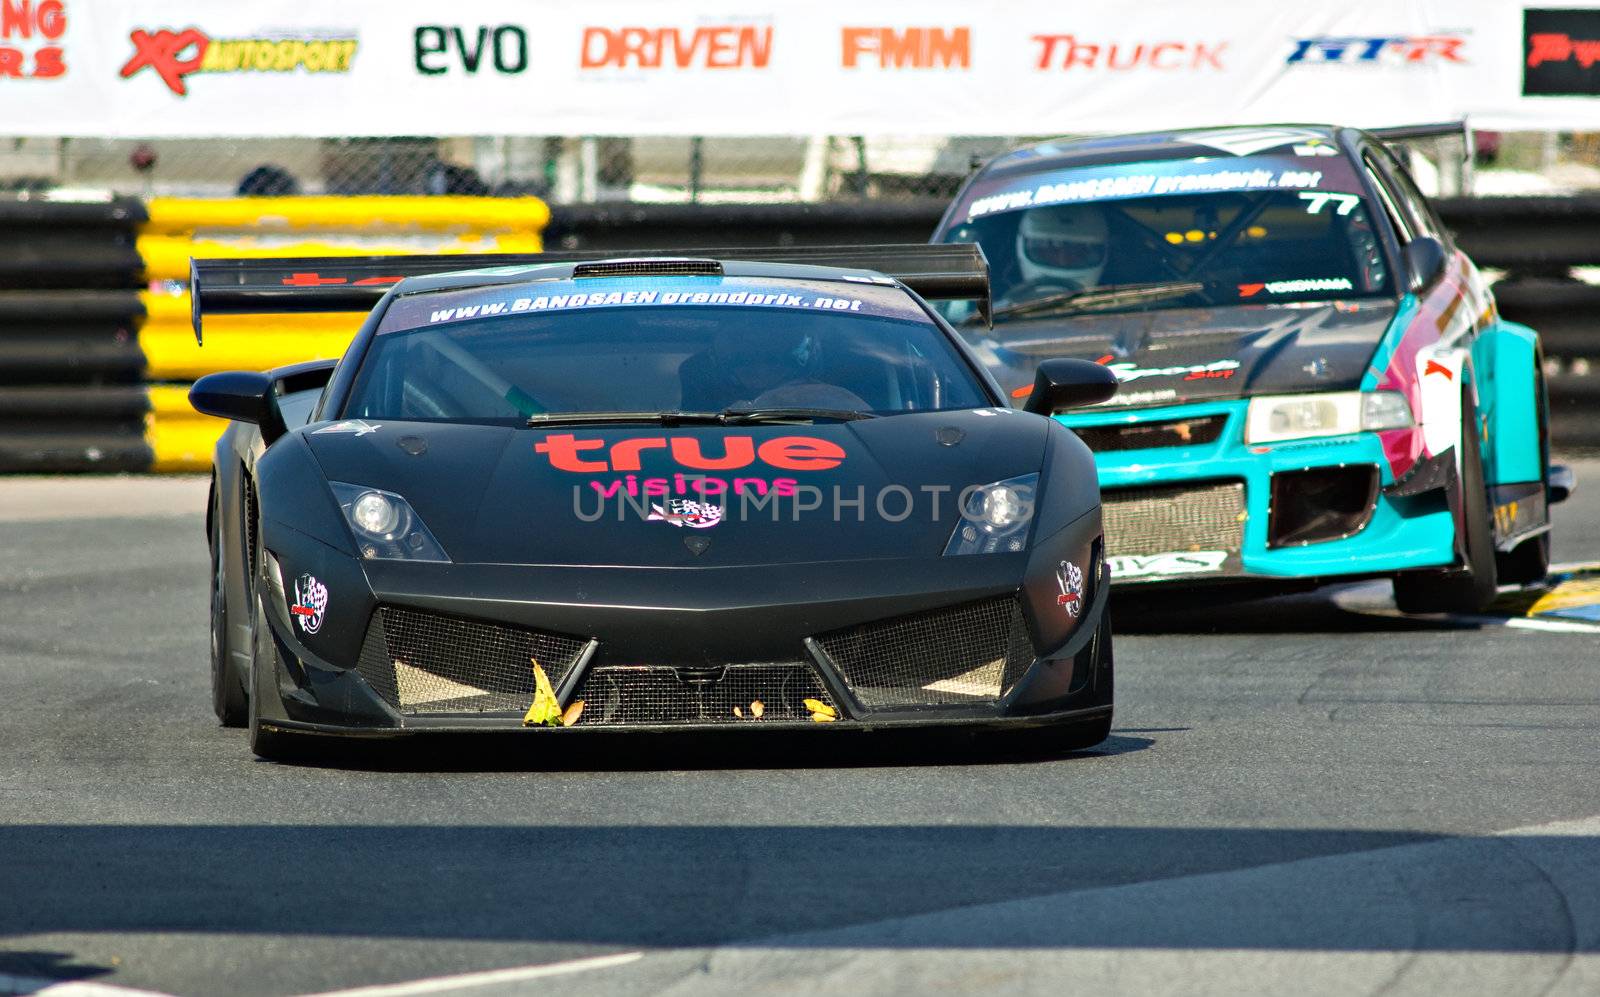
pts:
[838, 298]
[1156, 179]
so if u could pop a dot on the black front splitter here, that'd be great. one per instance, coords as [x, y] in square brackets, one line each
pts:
[504, 726]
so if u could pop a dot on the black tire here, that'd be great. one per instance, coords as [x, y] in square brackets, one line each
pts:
[273, 745]
[1471, 587]
[1528, 563]
[228, 696]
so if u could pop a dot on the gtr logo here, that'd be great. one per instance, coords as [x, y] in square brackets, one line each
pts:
[787, 453]
[1408, 49]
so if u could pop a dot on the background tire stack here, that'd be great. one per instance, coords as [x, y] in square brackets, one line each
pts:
[71, 378]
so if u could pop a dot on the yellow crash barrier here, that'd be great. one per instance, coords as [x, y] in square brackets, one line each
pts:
[177, 215]
[180, 438]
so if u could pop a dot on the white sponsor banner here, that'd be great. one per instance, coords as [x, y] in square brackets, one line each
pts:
[789, 67]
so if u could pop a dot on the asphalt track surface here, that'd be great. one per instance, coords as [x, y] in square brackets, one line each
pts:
[1297, 797]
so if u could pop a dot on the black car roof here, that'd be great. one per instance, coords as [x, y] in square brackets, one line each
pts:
[538, 272]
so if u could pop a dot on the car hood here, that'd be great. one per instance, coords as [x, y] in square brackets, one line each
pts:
[560, 496]
[1199, 354]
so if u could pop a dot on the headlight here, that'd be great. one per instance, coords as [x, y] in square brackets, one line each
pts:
[385, 525]
[995, 518]
[1336, 413]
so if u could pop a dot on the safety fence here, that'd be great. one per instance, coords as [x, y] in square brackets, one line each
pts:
[96, 349]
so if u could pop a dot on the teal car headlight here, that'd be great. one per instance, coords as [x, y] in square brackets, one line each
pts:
[995, 518]
[384, 524]
[1272, 418]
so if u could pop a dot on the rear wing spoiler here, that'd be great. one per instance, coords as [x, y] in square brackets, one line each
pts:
[1444, 129]
[957, 271]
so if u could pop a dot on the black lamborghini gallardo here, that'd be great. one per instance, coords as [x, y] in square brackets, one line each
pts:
[553, 494]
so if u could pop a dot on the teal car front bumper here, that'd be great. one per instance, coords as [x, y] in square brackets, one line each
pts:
[1164, 504]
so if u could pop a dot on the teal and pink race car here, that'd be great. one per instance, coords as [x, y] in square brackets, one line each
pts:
[1315, 383]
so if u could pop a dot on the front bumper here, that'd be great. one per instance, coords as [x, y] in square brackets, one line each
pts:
[1403, 532]
[700, 658]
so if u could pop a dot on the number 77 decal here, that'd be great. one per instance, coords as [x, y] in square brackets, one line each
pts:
[1343, 203]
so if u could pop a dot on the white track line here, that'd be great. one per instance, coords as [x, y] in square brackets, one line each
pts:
[486, 978]
[70, 988]
[1373, 599]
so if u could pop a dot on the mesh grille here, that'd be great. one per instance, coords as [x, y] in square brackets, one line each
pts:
[1147, 435]
[430, 663]
[660, 694]
[251, 525]
[966, 654]
[1141, 521]
[647, 268]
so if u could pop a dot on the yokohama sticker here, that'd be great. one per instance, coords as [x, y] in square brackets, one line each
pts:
[1187, 562]
[1296, 286]
[1070, 577]
[310, 603]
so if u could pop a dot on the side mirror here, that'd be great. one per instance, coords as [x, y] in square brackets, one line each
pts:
[241, 395]
[1063, 384]
[1425, 259]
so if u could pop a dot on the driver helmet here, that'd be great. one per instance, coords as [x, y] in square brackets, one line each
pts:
[760, 359]
[1063, 245]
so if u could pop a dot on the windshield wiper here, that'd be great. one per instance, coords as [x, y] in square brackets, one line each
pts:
[668, 418]
[1098, 297]
[739, 416]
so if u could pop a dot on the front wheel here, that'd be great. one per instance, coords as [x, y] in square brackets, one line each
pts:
[228, 698]
[1471, 587]
[272, 745]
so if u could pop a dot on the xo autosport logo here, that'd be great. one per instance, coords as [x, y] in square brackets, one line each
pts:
[175, 55]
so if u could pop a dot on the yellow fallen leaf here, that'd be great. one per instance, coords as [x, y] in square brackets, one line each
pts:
[818, 706]
[824, 718]
[546, 709]
[757, 708]
[573, 713]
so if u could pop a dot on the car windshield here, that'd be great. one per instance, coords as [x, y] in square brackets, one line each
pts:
[791, 359]
[1179, 250]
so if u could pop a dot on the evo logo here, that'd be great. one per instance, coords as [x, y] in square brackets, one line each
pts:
[436, 49]
[1189, 562]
